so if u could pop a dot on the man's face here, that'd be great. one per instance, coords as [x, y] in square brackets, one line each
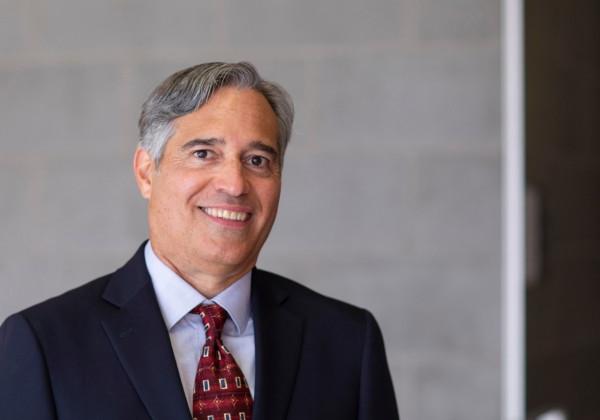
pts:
[214, 196]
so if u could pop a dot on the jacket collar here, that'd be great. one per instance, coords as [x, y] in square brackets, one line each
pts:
[278, 339]
[136, 326]
[140, 339]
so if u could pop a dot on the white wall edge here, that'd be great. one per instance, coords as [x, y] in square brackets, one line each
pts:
[513, 178]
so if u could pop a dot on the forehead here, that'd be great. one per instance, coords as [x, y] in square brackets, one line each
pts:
[231, 113]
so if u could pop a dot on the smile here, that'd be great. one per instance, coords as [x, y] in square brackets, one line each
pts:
[226, 214]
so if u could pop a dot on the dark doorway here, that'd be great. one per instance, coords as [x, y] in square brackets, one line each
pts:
[562, 77]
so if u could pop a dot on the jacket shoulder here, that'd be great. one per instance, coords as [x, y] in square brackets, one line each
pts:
[92, 298]
[306, 300]
[72, 303]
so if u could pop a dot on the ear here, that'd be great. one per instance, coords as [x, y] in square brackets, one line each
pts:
[143, 168]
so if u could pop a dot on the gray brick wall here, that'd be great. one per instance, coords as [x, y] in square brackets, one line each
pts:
[392, 182]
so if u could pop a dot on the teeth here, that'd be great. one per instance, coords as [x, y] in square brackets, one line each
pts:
[225, 214]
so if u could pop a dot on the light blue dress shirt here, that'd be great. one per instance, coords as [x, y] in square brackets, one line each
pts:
[177, 298]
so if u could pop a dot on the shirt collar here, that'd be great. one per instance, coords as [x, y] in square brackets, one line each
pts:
[176, 297]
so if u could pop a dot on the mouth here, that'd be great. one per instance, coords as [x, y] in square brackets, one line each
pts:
[219, 213]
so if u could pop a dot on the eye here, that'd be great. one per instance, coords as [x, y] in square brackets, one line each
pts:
[202, 153]
[258, 161]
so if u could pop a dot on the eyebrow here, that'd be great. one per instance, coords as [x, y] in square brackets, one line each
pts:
[256, 144]
[201, 142]
[264, 147]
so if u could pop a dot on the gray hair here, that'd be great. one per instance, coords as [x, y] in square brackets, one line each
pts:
[187, 90]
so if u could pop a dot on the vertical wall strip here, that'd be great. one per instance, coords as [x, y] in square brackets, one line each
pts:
[513, 272]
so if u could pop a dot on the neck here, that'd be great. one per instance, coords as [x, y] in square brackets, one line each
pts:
[207, 282]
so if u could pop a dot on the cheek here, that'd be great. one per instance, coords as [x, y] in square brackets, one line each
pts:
[270, 198]
[180, 188]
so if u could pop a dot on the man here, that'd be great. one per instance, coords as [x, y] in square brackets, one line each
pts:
[189, 328]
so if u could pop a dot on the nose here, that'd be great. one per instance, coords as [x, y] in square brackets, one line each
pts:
[231, 179]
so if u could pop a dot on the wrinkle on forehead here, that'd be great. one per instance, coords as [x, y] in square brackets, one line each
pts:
[232, 112]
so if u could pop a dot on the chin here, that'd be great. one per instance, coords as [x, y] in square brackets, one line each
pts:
[228, 259]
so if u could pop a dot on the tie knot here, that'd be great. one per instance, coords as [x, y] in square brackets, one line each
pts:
[213, 318]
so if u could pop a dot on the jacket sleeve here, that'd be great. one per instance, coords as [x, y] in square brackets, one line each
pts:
[25, 391]
[377, 397]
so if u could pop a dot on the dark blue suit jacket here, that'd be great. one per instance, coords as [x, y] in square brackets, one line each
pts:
[102, 351]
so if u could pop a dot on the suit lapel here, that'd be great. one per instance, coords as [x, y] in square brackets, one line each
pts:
[138, 334]
[278, 340]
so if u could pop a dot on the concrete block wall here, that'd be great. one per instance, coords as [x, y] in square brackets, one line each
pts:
[392, 184]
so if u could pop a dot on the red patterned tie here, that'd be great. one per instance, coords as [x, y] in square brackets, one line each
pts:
[221, 391]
